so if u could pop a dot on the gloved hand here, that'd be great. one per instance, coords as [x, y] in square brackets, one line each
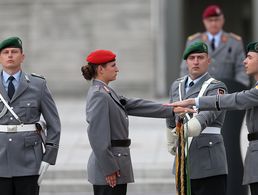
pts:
[192, 127]
[172, 141]
[42, 170]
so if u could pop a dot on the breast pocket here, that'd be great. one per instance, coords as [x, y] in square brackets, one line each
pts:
[28, 110]
[211, 152]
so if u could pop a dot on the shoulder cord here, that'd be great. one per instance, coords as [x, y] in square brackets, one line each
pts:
[10, 109]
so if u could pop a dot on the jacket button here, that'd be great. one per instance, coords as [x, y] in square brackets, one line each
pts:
[210, 143]
[10, 139]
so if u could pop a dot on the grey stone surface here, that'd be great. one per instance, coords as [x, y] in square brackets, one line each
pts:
[58, 34]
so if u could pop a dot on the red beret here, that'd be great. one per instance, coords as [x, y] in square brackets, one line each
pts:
[212, 10]
[101, 56]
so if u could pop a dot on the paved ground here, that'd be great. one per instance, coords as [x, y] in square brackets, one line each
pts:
[151, 161]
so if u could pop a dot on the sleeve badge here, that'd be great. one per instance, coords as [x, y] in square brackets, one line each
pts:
[220, 91]
[256, 87]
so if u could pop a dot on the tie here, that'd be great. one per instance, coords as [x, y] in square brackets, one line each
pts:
[213, 44]
[191, 84]
[11, 88]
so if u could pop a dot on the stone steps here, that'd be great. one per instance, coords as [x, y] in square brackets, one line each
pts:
[75, 181]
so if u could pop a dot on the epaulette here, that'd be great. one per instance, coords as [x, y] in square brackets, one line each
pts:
[204, 37]
[37, 75]
[224, 38]
[194, 36]
[235, 36]
[180, 79]
[215, 81]
[106, 89]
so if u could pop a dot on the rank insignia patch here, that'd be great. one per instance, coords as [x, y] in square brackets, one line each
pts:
[221, 91]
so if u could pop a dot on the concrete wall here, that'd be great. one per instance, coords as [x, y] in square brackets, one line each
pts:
[58, 34]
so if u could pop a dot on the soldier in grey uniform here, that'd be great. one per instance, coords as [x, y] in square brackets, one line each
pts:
[207, 156]
[245, 100]
[24, 99]
[225, 49]
[109, 166]
[227, 54]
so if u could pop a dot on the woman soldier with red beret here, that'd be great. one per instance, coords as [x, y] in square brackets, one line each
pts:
[109, 166]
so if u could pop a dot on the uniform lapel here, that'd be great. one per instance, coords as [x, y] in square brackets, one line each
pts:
[23, 85]
[196, 87]
[222, 44]
[2, 89]
[182, 86]
[115, 98]
[111, 92]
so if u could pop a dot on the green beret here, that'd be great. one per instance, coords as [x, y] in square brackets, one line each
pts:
[196, 47]
[252, 47]
[14, 42]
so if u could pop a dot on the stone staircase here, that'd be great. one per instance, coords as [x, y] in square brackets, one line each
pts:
[75, 181]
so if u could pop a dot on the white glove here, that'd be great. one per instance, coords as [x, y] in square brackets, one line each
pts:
[172, 141]
[192, 127]
[42, 170]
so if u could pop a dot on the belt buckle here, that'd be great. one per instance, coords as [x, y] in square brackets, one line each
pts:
[12, 128]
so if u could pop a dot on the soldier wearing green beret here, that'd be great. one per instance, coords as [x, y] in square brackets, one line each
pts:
[227, 54]
[207, 156]
[24, 155]
[244, 100]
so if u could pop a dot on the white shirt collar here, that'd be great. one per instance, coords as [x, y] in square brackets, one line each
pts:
[16, 76]
[189, 80]
[216, 37]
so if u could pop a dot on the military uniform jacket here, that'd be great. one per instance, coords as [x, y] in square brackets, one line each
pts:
[107, 120]
[245, 100]
[21, 152]
[226, 59]
[207, 152]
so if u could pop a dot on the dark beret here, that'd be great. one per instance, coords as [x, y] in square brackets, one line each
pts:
[211, 11]
[101, 57]
[252, 47]
[196, 47]
[14, 42]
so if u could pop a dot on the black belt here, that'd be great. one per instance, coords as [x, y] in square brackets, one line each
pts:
[252, 136]
[121, 143]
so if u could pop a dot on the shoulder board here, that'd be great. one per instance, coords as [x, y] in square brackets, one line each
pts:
[215, 81]
[194, 36]
[106, 89]
[37, 75]
[180, 79]
[235, 36]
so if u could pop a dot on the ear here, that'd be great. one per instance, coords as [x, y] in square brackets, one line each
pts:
[209, 60]
[100, 70]
[23, 57]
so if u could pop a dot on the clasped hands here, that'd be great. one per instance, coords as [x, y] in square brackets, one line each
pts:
[112, 179]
